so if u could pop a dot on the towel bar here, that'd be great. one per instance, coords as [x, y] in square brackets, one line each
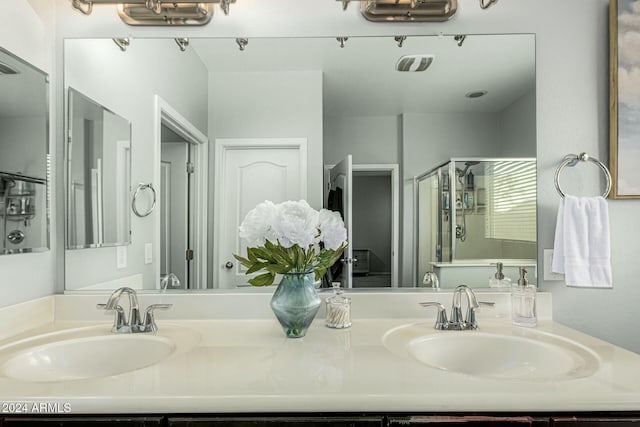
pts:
[572, 160]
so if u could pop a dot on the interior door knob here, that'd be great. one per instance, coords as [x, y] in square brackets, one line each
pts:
[228, 265]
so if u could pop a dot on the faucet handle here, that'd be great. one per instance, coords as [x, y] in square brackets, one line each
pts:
[120, 321]
[441, 319]
[149, 324]
[471, 314]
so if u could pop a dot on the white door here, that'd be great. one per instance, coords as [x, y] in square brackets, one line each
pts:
[248, 172]
[340, 179]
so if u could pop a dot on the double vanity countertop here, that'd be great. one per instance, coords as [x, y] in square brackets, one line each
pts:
[232, 365]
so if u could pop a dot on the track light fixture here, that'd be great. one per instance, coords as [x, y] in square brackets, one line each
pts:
[123, 43]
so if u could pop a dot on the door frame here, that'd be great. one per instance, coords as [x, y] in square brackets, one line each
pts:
[221, 147]
[170, 117]
[394, 171]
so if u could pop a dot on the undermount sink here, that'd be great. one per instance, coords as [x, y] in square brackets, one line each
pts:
[520, 355]
[88, 353]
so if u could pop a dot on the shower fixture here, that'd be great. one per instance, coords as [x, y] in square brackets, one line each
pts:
[461, 174]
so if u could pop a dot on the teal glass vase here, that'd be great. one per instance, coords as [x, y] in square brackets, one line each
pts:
[295, 303]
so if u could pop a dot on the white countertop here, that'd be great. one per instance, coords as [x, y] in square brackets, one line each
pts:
[249, 366]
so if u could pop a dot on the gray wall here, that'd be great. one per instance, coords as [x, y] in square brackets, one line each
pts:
[372, 211]
[367, 139]
[572, 114]
[518, 127]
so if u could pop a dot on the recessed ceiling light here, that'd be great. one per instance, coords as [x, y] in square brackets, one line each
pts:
[476, 94]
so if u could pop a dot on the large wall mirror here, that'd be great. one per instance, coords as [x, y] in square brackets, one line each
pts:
[98, 174]
[24, 154]
[392, 110]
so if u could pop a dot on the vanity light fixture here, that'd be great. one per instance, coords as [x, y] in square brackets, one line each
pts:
[242, 43]
[159, 12]
[475, 94]
[413, 10]
[182, 43]
[400, 40]
[414, 63]
[123, 43]
[342, 41]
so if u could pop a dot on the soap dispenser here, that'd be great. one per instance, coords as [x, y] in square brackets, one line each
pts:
[523, 302]
[498, 280]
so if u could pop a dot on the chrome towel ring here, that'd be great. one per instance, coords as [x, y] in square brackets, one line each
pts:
[572, 160]
[140, 188]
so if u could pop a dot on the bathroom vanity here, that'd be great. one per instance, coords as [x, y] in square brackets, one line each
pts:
[205, 366]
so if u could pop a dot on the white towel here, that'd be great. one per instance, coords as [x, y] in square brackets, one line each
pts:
[582, 245]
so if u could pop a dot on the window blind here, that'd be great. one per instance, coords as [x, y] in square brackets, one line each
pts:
[511, 201]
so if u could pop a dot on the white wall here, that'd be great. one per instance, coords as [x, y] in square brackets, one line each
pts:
[129, 90]
[26, 31]
[572, 108]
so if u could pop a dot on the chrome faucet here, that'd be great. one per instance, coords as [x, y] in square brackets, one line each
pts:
[457, 322]
[132, 324]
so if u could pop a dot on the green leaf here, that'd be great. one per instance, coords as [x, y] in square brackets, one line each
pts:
[245, 262]
[257, 267]
[278, 268]
[265, 279]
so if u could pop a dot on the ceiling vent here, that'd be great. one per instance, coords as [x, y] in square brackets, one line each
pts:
[7, 69]
[414, 63]
[408, 10]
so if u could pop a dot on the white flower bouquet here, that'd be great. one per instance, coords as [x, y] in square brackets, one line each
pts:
[290, 237]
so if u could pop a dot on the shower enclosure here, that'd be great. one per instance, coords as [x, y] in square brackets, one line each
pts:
[476, 210]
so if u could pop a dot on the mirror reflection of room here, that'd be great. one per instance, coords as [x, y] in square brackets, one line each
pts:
[24, 162]
[394, 125]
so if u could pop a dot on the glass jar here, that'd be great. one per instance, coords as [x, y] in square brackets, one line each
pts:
[338, 309]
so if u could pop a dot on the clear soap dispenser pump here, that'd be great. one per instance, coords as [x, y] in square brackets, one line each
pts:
[523, 302]
[499, 281]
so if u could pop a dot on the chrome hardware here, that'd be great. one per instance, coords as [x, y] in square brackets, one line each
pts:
[431, 279]
[141, 187]
[572, 160]
[122, 43]
[400, 40]
[120, 321]
[457, 322]
[16, 237]
[183, 43]
[169, 281]
[441, 319]
[228, 265]
[149, 324]
[242, 43]
[342, 41]
[133, 324]
[484, 4]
